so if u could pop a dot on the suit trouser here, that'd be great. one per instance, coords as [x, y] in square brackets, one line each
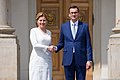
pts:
[75, 69]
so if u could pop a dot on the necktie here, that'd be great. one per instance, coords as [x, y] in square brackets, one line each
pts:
[74, 31]
[74, 34]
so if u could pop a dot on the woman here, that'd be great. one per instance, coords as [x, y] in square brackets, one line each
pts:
[40, 65]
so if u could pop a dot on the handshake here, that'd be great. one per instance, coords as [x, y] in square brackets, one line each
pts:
[52, 48]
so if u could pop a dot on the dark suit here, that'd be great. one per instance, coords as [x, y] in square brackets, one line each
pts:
[83, 50]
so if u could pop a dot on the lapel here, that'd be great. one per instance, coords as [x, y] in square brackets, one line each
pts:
[79, 29]
[69, 30]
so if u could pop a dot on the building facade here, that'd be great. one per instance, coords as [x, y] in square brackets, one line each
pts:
[21, 17]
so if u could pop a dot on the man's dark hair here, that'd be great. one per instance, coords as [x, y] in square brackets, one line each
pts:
[73, 7]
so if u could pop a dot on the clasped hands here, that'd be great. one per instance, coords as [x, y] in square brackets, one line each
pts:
[51, 48]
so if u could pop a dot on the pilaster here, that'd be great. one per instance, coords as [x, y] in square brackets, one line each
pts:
[9, 54]
[4, 28]
[114, 48]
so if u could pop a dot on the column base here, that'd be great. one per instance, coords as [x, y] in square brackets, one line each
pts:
[113, 57]
[116, 29]
[6, 29]
[9, 58]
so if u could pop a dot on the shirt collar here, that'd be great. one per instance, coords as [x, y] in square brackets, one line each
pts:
[74, 23]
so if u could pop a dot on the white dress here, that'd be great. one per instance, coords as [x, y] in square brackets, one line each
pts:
[40, 65]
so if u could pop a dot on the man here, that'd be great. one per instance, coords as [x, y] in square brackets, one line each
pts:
[75, 39]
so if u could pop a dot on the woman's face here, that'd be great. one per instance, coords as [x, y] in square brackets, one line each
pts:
[41, 22]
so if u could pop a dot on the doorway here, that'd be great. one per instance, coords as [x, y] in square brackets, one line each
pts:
[57, 13]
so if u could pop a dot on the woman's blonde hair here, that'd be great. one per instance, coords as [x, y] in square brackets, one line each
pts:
[40, 14]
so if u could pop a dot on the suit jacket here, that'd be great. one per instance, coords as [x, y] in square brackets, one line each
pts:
[81, 43]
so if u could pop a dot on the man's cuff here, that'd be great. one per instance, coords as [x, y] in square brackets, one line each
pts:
[55, 47]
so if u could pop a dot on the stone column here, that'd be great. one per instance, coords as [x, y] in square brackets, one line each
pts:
[117, 27]
[4, 28]
[9, 56]
[114, 48]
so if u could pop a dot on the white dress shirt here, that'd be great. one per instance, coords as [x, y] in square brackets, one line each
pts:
[74, 28]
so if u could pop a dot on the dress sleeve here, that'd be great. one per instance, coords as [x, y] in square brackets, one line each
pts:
[33, 39]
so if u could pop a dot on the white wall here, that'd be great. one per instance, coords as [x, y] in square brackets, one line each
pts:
[31, 18]
[104, 13]
[21, 17]
[107, 23]
[97, 38]
[19, 20]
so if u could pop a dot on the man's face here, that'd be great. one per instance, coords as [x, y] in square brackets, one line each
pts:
[73, 14]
